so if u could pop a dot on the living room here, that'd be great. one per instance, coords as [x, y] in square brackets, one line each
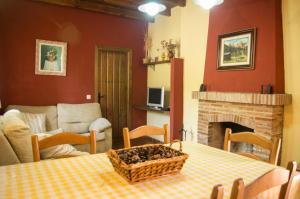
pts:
[91, 66]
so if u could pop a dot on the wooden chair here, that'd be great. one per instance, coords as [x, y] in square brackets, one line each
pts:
[62, 138]
[251, 138]
[217, 192]
[274, 178]
[144, 131]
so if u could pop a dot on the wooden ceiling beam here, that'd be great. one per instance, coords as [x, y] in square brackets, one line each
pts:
[133, 4]
[114, 10]
[123, 8]
[100, 7]
[173, 3]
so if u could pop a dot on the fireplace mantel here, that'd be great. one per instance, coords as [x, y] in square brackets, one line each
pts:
[244, 98]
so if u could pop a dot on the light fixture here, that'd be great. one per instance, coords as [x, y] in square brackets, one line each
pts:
[208, 4]
[152, 8]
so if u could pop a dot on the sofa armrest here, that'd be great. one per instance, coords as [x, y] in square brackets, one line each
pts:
[8, 155]
[102, 145]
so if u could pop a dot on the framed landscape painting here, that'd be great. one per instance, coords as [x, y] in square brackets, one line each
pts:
[50, 58]
[236, 50]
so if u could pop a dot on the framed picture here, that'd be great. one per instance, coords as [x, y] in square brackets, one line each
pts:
[236, 50]
[50, 58]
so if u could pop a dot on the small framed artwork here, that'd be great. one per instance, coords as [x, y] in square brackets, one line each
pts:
[50, 58]
[236, 51]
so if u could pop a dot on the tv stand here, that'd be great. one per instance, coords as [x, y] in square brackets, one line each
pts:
[155, 107]
[152, 108]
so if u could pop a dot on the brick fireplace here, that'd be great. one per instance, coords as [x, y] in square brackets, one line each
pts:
[260, 113]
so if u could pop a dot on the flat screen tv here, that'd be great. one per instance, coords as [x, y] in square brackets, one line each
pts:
[155, 97]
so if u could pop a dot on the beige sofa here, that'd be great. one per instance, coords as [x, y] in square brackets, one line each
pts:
[69, 117]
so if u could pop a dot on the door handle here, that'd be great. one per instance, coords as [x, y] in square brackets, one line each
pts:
[100, 97]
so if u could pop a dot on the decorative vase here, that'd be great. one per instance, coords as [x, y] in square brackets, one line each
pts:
[170, 54]
[163, 56]
[145, 60]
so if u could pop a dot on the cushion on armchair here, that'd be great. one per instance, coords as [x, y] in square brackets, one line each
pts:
[99, 125]
[77, 117]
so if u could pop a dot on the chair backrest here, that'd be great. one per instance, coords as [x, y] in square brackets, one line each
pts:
[144, 131]
[252, 138]
[217, 192]
[274, 178]
[62, 138]
[294, 187]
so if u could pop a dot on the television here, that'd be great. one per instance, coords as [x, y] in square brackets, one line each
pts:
[155, 97]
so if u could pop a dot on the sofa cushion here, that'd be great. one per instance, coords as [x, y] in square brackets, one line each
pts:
[50, 111]
[77, 117]
[19, 136]
[8, 156]
[35, 121]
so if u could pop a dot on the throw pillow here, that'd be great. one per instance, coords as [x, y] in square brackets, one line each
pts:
[59, 151]
[35, 121]
[99, 125]
[19, 136]
[14, 113]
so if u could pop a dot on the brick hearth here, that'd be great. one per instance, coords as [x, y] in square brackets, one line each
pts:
[261, 112]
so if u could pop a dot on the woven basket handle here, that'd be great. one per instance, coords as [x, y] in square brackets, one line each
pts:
[174, 141]
[115, 156]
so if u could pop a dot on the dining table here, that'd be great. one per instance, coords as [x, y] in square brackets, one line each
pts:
[93, 176]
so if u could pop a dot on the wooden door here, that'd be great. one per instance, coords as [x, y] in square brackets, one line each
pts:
[113, 87]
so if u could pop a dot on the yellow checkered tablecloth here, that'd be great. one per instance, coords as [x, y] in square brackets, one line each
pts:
[92, 176]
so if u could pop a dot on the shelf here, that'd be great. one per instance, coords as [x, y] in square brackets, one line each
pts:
[147, 108]
[156, 63]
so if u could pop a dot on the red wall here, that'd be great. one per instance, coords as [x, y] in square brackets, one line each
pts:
[235, 15]
[22, 22]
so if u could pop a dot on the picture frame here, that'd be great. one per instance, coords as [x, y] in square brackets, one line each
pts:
[50, 58]
[236, 50]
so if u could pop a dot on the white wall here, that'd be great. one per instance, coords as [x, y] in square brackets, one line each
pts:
[194, 29]
[189, 25]
[291, 33]
[164, 28]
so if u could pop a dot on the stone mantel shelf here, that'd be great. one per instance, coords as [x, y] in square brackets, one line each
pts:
[245, 98]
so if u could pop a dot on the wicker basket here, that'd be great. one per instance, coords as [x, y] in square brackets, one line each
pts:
[148, 169]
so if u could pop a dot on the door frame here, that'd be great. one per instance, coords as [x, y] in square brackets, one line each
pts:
[128, 52]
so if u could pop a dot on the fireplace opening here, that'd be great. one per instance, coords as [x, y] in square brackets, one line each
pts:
[218, 133]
